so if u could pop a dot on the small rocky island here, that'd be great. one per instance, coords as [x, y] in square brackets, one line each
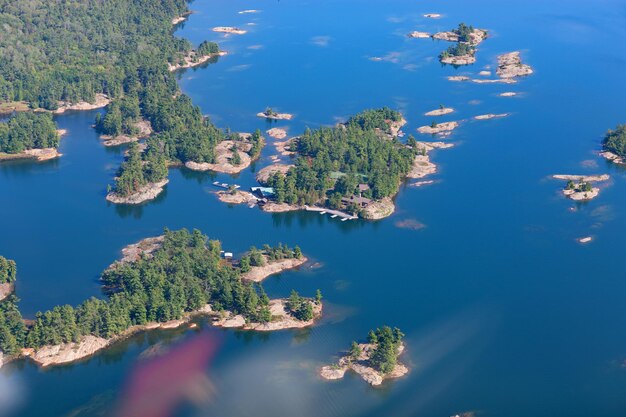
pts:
[467, 38]
[510, 66]
[229, 30]
[375, 361]
[438, 128]
[233, 155]
[270, 114]
[144, 294]
[580, 187]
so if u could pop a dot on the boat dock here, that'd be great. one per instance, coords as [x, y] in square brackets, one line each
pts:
[333, 213]
[225, 185]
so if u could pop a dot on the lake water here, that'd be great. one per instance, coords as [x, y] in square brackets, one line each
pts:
[505, 313]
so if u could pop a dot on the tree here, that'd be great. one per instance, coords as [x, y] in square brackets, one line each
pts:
[297, 252]
[355, 351]
[318, 297]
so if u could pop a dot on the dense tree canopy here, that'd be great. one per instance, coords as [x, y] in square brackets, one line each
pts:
[615, 141]
[331, 162]
[385, 355]
[183, 275]
[8, 270]
[28, 131]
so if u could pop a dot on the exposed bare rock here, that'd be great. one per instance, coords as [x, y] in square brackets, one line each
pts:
[275, 116]
[485, 73]
[259, 273]
[146, 193]
[230, 30]
[419, 35]
[577, 195]
[68, 352]
[6, 289]
[584, 240]
[237, 197]
[277, 133]
[144, 130]
[490, 116]
[223, 155]
[458, 78]
[582, 178]
[432, 15]
[458, 60]
[380, 209]
[494, 81]
[264, 174]
[361, 366]
[610, 156]
[438, 128]
[273, 207]
[100, 101]
[510, 66]
[40, 155]
[446, 36]
[143, 248]
[508, 94]
[422, 167]
[281, 318]
[440, 111]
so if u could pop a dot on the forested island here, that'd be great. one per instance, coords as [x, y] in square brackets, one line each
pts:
[119, 54]
[464, 51]
[160, 282]
[29, 136]
[614, 145]
[350, 170]
[375, 361]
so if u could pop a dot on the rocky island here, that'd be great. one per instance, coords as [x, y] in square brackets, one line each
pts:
[229, 30]
[510, 66]
[580, 187]
[340, 186]
[441, 111]
[142, 295]
[375, 361]
[438, 128]
[466, 38]
[270, 114]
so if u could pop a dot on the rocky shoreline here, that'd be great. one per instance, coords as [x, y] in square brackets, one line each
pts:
[438, 128]
[223, 156]
[40, 155]
[275, 116]
[259, 273]
[229, 30]
[579, 187]
[101, 100]
[146, 193]
[440, 112]
[144, 130]
[192, 60]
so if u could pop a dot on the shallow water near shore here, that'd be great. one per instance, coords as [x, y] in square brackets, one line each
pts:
[504, 312]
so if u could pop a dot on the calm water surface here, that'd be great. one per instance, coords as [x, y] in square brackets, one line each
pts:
[505, 314]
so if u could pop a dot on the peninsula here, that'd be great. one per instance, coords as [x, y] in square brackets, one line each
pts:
[144, 292]
[375, 361]
[29, 136]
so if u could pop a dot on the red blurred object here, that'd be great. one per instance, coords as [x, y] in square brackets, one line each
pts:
[157, 386]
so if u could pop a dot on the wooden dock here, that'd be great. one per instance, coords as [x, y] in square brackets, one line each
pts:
[333, 213]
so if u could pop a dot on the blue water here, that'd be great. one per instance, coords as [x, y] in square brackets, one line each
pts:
[505, 314]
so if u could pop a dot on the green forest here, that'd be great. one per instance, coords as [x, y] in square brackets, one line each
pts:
[615, 141]
[332, 161]
[71, 50]
[24, 131]
[8, 270]
[385, 355]
[183, 275]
